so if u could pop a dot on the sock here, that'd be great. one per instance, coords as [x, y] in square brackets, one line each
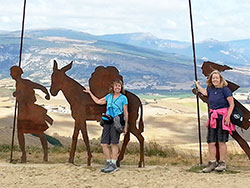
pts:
[113, 161]
[212, 161]
[109, 160]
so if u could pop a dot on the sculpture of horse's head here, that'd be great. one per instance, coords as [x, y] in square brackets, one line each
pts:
[57, 78]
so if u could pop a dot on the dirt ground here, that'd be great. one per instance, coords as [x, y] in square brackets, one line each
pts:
[68, 175]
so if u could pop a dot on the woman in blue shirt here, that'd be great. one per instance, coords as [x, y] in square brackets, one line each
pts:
[221, 104]
[117, 103]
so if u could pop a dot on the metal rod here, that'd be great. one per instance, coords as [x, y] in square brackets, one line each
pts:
[195, 74]
[20, 59]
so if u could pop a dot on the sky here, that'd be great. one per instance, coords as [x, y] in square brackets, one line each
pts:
[165, 19]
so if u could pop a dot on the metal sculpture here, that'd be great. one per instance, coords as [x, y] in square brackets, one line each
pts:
[31, 117]
[83, 107]
[207, 68]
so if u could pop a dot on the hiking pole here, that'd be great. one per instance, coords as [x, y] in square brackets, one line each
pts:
[20, 58]
[195, 74]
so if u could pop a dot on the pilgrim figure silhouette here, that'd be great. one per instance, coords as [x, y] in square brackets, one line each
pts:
[31, 117]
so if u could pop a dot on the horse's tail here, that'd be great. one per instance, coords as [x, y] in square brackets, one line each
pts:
[141, 123]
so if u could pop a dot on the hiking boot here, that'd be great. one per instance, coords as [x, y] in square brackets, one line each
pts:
[221, 166]
[111, 168]
[210, 167]
[106, 166]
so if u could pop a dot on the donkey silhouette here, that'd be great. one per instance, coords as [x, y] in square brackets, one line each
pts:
[83, 108]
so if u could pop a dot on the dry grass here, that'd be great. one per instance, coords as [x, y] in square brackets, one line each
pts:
[155, 154]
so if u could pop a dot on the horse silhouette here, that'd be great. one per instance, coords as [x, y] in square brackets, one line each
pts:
[83, 108]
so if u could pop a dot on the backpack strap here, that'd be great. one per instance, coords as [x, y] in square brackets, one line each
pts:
[113, 102]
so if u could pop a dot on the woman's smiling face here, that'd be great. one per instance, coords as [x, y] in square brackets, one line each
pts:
[216, 80]
[117, 88]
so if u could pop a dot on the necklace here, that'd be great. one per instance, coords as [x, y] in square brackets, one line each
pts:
[215, 92]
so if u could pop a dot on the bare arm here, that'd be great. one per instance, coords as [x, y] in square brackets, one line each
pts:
[125, 111]
[230, 109]
[201, 89]
[95, 99]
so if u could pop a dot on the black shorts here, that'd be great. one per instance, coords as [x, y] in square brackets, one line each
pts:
[218, 134]
[109, 135]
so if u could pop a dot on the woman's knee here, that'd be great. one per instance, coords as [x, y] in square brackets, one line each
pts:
[211, 144]
[222, 143]
[104, 145]
[114, 145]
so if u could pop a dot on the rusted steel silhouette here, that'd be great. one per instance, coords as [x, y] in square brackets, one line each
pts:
[31, 117]
[101, 80]
[83, 107]
[207, 68]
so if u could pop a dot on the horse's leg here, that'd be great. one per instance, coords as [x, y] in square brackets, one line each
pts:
[124, 145]
[21, 141]
[86, 140]
[73, 145]
[140, 138]
[45, 146]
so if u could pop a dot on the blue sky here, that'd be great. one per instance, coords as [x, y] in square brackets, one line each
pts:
[167, 19]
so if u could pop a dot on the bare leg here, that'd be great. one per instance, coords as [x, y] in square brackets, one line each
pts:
[45, 146]
[21, 141]
[73, 145]
[115, 151]
[212, 151]
[223, 151]
[106, 151]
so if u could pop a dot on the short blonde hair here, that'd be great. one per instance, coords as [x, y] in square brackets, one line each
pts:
[223, 82]
[111, 89]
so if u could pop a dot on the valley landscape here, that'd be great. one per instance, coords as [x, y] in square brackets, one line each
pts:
[161, 77]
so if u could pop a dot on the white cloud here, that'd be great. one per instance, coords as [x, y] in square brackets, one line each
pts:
[222, 20]
[4, 19]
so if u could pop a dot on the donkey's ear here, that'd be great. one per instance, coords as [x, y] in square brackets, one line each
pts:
[67, 67]
[55, 67]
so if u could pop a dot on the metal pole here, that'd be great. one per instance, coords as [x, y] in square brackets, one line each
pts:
[20, 59]
[195, 72]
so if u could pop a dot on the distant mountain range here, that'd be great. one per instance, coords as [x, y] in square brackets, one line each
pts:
[146, 62]
[234, 53]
